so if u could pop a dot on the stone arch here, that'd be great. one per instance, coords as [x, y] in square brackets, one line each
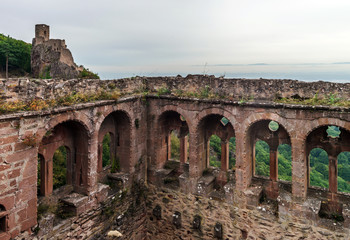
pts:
[74, 136]
[319, 138]
[105, 111]
[258, 129]
[118, 124]
[209, 123]
[215, 111]
[324, 122]
[168, 121]
[56, 120]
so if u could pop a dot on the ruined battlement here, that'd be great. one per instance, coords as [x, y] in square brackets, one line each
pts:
[51, 57]
[188, 197]
[200, 86]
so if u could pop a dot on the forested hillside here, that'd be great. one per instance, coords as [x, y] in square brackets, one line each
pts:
[16, 53]
[318, 162]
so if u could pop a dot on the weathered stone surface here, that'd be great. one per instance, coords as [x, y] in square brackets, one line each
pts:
[218, 232]
[177, 219]
[51, 56]
[143, 151]
[157, 212]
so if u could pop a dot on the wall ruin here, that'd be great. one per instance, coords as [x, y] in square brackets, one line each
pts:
[143, 119]
[51, 57]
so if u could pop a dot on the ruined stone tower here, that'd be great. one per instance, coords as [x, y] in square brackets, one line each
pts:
[51, 57]
[42, 33]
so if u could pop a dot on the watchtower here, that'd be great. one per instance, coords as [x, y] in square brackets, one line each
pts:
[42, 33]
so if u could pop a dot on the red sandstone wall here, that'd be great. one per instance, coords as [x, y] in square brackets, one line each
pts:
[22, 133]
[20, 139]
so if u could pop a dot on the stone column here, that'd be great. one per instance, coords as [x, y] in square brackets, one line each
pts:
[273, 163]
[299, 168]
[333, 174]
[224, 155]
[46, 175]
[272, 190]
[244, 160]
[183, 152]
[168, 147]
[99, 154]
[222, 178]
[207, 153]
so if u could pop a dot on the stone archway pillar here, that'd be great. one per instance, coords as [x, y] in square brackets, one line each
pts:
[333, 174]
[272, 190]
[299, 168]
[224, 155]
[222, 178]
[168, 139]
[46, 176]
[100, 155]
[183, 152]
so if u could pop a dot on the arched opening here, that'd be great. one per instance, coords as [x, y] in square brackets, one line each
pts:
[172, 142]
[63, 155]
[285, 162]
[265, 138]
[59, 167]
[215, 151]
[114, 144]
[325, 145]
[214, 148]
[344, 172]
[3, 219]
[329, 162]
[262, 158]
[318, 159]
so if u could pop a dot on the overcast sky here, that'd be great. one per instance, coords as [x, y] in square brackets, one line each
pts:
[298, 39]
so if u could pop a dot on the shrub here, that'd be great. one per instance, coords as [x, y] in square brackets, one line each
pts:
[87, 74]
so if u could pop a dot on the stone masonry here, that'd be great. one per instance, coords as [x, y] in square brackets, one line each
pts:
[185, 199]
[51, 56]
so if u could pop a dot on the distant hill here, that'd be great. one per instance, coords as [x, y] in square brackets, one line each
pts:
[18, 53]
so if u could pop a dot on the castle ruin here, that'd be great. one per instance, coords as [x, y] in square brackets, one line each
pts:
[51, 57]
[153, 197]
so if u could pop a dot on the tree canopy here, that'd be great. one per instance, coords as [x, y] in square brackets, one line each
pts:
[18, 54]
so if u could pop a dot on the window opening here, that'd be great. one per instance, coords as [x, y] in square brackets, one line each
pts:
[344, 172]
[215, 151]
[60, 167]
[175, 146]
[232, 153]
[224, 121]
[273, 126]
[333, 132]
[284, 162]
[106, 150]
[262, 158]
[319, 175]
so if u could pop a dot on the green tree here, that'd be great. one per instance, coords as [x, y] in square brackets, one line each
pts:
[232, 152]
[106, 152]
[175, 146]
[215, 151]
[14, 55]
[262, 158]
[60, 167]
